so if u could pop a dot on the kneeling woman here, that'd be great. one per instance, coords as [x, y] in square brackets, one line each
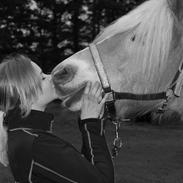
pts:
[27, 143]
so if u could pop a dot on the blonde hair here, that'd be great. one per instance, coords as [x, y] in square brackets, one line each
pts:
[19, 87]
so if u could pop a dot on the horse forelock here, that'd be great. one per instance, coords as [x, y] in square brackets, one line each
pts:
[152, 24]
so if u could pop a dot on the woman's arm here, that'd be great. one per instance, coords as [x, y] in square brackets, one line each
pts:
[94, 145]
[95, 149]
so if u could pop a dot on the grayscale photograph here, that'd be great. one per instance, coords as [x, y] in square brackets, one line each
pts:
[91, 91]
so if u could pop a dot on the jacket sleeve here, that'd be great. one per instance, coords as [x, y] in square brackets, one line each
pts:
[94, 147]
[59, 161]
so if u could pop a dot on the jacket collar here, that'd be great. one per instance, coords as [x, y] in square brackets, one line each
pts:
[35, 120]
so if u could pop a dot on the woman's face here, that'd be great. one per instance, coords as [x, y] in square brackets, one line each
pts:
[48, 93]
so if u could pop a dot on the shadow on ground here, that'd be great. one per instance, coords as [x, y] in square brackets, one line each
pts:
[150, 154]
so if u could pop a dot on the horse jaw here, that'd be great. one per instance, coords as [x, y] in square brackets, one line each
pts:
[70, 86]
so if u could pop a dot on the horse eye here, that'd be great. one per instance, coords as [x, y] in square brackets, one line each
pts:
[133, 38]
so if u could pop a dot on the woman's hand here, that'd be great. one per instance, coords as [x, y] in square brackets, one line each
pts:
[92, 101]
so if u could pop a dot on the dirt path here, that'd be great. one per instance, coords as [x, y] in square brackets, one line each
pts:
[150, 154]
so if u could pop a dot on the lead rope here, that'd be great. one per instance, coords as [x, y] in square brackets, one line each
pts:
[117, 142]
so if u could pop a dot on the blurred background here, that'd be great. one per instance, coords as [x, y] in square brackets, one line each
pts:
[51, 30]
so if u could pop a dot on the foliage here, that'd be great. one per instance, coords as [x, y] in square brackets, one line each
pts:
[52, 30]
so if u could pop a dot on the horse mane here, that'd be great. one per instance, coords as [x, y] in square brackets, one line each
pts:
[152, 25]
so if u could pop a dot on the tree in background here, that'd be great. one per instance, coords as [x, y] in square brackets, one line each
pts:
[13, 23]
[52, 30]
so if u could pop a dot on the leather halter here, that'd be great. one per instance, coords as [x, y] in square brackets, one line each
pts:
[110, 110]
[175, 86]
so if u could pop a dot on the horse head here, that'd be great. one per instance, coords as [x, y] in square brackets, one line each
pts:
[141, 53]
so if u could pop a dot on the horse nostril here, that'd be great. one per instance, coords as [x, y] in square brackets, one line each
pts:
[63, 75]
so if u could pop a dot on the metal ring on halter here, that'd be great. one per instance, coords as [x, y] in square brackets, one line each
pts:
[116, 141]
[117, 144]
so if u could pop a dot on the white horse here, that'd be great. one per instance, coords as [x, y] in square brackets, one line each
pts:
[141, 53]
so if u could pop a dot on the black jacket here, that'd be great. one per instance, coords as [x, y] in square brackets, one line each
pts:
[38, 156]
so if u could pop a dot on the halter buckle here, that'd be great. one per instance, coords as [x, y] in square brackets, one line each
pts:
[110, 97]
